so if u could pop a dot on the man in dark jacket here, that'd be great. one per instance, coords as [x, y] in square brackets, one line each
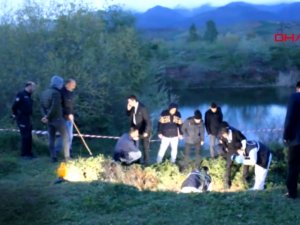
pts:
[22, 112]
[169, 131]
[51, 102]
[197, 181]
[232, 140]
[291, 137]
[67, 93]
[193, 133]
[126, 150]
[213, 119]
[140, 119]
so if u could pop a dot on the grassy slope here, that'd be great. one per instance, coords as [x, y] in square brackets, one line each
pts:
[29, 196]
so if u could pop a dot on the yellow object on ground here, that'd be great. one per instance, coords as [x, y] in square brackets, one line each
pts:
[62, 170]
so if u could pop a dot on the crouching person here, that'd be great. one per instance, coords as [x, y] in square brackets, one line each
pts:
[197, 181]
[258, 155]
[126, 150]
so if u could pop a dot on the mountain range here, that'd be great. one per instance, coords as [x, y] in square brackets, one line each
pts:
[160, 17]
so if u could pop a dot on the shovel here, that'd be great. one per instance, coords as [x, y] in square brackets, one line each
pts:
[81, 137]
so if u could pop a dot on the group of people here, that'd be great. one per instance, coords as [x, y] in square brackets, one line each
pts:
[58, 113]
[224, 140]
[232, 144]
[170, 130]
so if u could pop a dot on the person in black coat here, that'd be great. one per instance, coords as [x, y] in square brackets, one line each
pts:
[140, 119]
[22, 112]
[67, 94]
[231, 140]
[212, 120]
[197, 181]
[291, 137]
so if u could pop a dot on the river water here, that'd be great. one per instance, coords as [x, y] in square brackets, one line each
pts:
[258, 112]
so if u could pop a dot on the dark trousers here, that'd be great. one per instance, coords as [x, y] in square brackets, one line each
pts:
[58, 125]
[293, 170]
[26, 136]
[187, 148]
[227, 175]
[146, 147]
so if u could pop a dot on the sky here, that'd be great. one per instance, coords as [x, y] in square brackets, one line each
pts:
[140, 5]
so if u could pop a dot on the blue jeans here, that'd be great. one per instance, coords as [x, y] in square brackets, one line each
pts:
[69, 126]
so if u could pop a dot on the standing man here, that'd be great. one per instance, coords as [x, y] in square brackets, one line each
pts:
[232, 140]
[51, 102]
[213, 119]
[22, 112]
[67, 93]
[169, 131]
[193, 133]
[140, 119]
[291, 137]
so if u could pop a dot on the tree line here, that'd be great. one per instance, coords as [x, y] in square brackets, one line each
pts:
[101, 50]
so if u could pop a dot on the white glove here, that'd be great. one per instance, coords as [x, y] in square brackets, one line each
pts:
[239, 159]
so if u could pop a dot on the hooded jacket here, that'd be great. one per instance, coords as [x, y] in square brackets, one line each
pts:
[170, 125]
[51, 100]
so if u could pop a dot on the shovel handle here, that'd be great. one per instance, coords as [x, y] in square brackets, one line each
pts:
[80, 135]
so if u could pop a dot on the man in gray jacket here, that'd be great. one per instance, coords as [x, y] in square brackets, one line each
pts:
[51, 102]
[193, 133]
[126, 150]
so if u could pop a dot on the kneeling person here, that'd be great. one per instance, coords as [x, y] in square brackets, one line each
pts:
[197, 181]
[126, 150]
[258, 155]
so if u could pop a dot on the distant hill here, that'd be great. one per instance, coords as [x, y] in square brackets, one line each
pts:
[290, 12]
[160, 17]
[234, 13]
[195, 11]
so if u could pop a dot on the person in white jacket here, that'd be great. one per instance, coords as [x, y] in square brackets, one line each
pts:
[258, 155]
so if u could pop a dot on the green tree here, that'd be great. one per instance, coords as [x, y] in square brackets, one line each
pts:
[193, 34]
[101, 50]
[211, 32]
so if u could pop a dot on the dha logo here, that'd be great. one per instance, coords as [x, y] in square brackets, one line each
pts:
[286, 37]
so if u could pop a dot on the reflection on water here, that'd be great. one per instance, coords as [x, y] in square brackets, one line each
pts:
[256, 122]
[259, 114]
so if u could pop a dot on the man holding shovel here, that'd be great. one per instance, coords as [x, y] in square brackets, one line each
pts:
[67, 94]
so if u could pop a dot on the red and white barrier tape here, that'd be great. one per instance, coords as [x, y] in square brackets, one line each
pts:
[264, 130]
[42, 132]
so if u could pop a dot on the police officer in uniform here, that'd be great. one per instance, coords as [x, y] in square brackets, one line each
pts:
[22, 112]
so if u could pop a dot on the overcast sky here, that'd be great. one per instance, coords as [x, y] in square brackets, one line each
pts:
[141, 5]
